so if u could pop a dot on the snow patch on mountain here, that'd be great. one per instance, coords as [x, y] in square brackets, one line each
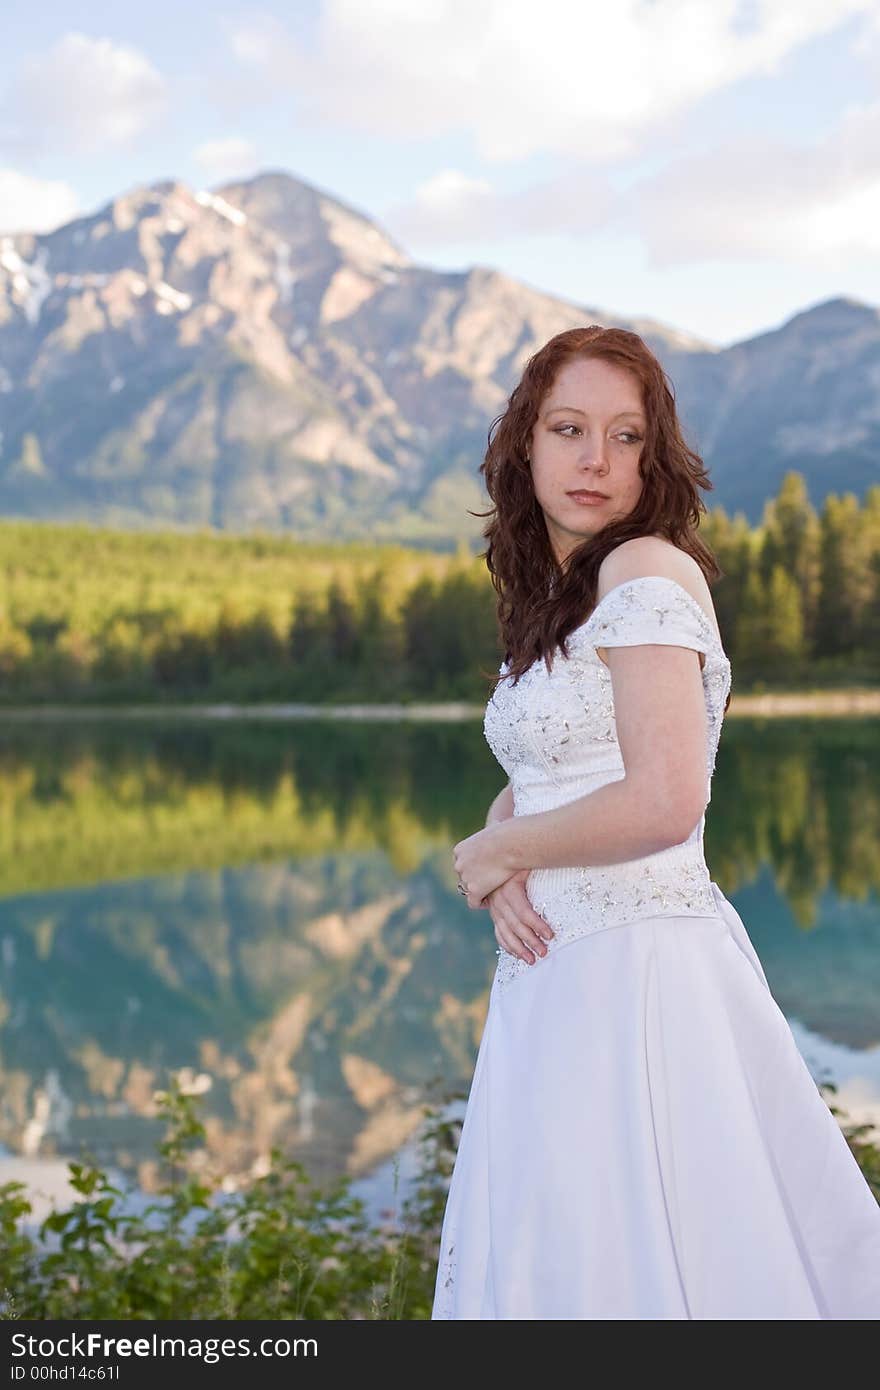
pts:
[170, 298]
[220, 206]
[31, 281]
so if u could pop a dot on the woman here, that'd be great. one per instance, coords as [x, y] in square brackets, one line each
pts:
[642, 1138]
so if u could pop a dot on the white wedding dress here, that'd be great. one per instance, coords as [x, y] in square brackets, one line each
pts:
[642, 1138]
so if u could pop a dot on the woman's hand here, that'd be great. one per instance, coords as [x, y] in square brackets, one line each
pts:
[482, 864]
[518, 927]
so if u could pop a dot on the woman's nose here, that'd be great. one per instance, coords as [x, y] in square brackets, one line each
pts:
[593, 450]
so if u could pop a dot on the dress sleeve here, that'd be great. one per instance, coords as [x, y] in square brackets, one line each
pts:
[650, 609]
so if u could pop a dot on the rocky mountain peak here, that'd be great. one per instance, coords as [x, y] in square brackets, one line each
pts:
[262, 354]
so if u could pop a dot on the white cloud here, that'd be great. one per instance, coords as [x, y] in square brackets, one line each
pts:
[450, 207]
[751, 198]
[266, 61]
[261, 41]
[84, 95]
[815, 205]
[231, 158]
[866, 45]
[764, 198]
[34, 205]
[577, 77]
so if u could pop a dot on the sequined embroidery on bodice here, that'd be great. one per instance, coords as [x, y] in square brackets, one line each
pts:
[555, 736]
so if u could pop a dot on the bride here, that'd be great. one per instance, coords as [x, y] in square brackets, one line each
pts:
[642, 1138]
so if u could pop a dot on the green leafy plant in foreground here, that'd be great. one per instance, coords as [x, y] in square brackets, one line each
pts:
[865, 1149]
[280, 1247]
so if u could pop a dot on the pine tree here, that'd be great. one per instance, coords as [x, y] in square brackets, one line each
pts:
[792, 538]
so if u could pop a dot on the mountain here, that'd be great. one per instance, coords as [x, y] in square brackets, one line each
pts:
[804, 396]
[263, 356]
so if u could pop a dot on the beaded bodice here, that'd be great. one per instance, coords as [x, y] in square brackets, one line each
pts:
[554, 734]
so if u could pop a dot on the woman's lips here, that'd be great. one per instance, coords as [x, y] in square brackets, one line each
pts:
[587, 499]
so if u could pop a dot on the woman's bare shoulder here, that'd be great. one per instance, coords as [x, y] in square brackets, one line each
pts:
[644, 556]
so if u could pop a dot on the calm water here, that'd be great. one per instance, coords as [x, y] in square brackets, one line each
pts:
[274, 907]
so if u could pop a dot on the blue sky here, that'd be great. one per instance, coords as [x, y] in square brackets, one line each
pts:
[711, 163]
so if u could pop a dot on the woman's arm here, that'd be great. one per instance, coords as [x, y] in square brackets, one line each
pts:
[502, 806]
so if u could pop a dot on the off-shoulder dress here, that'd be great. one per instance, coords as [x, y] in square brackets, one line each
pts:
[642, 1137]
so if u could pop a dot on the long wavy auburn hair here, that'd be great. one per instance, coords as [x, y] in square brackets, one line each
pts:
[539, 602]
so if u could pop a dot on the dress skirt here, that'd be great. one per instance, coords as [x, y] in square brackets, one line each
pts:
[644, 1140]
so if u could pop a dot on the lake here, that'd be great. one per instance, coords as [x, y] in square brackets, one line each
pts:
[273, 906]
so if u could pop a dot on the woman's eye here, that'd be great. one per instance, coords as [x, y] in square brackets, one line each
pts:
[627, 435]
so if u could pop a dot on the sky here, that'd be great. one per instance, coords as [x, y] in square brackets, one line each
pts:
[714, 164]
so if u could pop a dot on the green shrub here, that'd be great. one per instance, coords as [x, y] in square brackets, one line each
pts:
[282, 1247]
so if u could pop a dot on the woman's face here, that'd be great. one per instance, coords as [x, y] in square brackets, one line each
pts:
[589, 435]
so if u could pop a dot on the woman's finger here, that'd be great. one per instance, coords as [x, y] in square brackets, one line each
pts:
[516, 901]
[524, 938]
[505, 936]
